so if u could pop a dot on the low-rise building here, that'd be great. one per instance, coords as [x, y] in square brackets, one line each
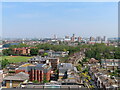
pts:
[66, 71]
[22, 51]
[11, 67]
[16, 80]
[93, 61]
[58, 53]
[52, 60]
[102, 78]
[110, 64]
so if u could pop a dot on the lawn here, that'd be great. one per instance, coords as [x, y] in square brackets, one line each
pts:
[15, 59]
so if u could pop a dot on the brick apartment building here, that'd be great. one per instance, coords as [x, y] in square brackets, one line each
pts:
[22, 51]
[37, 72]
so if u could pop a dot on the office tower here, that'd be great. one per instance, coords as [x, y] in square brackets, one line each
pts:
[104, 38]
[92, 38]
[79, 39]
[98, 38]
[55, 37]
[73, 38]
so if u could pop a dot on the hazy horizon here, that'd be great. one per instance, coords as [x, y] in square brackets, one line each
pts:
[42, 20]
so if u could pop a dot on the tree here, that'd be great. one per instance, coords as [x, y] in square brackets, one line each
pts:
[64, 50]
[44, 79]
[117, 53]
[45, 54]
[35, 81]
[79, 67]
[7, 52]
[99, 51]
[85, 59]
[4, 63]
[34, 51]
[19, 45]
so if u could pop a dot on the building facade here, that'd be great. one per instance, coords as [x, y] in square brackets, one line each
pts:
[51, 60]
[39, 72]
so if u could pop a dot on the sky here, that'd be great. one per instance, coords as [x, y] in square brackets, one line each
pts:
[46, 19]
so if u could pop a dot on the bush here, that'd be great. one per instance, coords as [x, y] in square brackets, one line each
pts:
[4, 63]
[11, 71]
[35, 81]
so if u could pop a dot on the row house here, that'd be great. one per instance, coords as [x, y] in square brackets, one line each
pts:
[66, 69]
[52, 53]
[110, 64]
[102, 79]
[67, 74]
[58, 54]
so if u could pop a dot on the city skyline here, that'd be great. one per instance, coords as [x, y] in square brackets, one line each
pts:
[40, 20]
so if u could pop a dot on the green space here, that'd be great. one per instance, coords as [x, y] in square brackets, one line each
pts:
[15, 59]
[97, 51]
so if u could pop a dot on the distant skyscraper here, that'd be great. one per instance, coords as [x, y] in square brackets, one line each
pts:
[79, 39]
[73, 35]
[55, 37]
[98, 38]
[73, 38]
[104, 38]
[92, 38]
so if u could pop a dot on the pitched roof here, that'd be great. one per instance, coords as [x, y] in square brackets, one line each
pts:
[39, 58]
[66, 66]
[18, 77]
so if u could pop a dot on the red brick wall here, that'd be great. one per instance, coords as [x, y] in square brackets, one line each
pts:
[21, 51]
[36, 75]
[48, 74]
[39, 75]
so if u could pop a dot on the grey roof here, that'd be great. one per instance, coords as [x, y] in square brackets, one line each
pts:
[62, 70]
[63, 67]
[70, 80]
[39, 58]
[66, 66]
[40, 65]
[37, 67]
[43, 67]
[75, 69]
[19, 77]
[22, 68]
